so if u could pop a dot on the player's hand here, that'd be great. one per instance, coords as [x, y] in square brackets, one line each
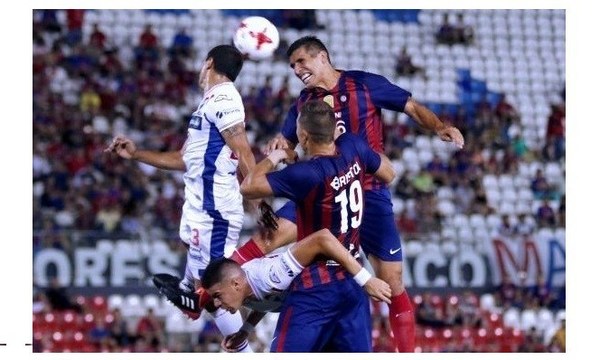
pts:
[451, 134]
[287, 156]
[235, 341]
[268, 220]
[278, 142]
[122, 146]
[379, 290]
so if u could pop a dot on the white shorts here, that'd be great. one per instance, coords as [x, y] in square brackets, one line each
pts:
[210, 235]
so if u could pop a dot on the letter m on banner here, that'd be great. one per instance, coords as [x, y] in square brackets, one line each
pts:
[520, 261]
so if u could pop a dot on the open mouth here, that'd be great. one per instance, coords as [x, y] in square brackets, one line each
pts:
[305, 77]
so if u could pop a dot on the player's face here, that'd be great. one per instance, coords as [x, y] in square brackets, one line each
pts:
[309, 66]
[226, 295]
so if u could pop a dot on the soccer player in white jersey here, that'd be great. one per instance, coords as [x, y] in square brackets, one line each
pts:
[232, 285]
[216, 146]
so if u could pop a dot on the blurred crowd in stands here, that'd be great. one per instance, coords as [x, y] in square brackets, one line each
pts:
[85, 90]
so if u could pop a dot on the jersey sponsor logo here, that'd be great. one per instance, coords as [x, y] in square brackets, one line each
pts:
[225, 112]
[273, 276]
[223, 97]
[344, 179]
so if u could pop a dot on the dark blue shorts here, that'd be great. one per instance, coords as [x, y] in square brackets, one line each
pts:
[331, 317]
[378, 234]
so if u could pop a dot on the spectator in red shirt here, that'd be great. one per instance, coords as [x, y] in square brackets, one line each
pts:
[150, 329]
[147, 49]
[74, 25]
[505, 111]
[406, 223]
[97, 38]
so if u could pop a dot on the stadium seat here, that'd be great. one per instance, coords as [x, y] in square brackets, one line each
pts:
[512, 318]
[528, 319]
[397, 205]
[413, 248]
[68, 321]
[133, 306]
[89, 320]
[115, 301]
[545, 319]
[175, 323]
[449, 233]
[477, 221]
[445, 193]
[449, 248]
[460, 221]
[493, 197]
[151, 301]
[98, 304]
[509, 195]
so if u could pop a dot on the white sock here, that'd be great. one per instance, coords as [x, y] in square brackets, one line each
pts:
[187, 283]
[229, 323]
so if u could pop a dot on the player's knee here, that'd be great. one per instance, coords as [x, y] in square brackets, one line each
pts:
[391, 272]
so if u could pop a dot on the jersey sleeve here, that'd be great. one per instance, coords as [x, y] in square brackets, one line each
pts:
[368, 156]
[293, 182]
[289, 124]
[383, 93]
[226, 110]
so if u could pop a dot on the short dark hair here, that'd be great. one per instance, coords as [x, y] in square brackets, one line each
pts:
[216, 270]
[317, 118]
[309, 42]
[227, 60]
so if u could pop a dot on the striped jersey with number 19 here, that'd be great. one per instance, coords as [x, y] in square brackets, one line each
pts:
[328, 192]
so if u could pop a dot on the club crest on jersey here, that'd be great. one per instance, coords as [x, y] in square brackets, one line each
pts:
[344, 179]
[328, 99]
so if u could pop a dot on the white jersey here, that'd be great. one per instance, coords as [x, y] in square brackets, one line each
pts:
[269, 277]
[210, 179]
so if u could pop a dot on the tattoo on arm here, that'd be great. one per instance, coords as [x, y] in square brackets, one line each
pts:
[235, 130]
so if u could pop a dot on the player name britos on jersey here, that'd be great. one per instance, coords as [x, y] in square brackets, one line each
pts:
[342, 180]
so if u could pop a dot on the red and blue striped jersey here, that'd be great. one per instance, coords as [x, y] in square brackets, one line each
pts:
[328, 192]
[357, 100]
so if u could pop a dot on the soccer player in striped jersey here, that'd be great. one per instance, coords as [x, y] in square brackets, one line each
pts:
[325, 309]
[215, 147]
[357, 98]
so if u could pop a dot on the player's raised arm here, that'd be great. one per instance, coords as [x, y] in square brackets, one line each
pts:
[324, 243]
[429, 121]
[166, 160]
[255, 184]
[385, 172]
